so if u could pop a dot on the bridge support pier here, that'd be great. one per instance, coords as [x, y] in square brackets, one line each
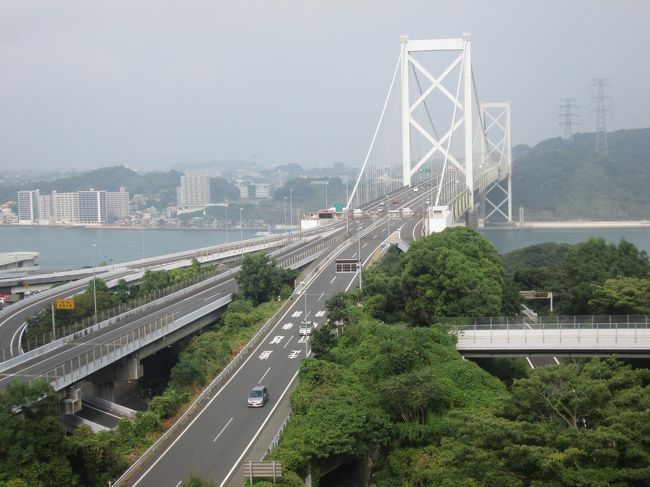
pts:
[71, 402]
[126, 369]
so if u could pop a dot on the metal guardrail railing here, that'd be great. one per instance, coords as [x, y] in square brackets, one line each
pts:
[278, 435]
[555, 322]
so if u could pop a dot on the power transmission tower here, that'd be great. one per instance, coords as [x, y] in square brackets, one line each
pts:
[601, 98]
[566, 118]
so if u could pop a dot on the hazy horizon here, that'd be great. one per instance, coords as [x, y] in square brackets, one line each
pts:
[152, 84]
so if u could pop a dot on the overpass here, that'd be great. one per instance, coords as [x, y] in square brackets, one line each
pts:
[560, 336]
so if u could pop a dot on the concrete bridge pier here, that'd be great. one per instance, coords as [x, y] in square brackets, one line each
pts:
[71, 400]
[126, 369]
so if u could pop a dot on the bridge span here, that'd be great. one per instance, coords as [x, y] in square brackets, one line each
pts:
[559, 336]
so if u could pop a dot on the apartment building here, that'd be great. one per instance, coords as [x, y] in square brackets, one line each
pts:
[28, 206]
[194, 191]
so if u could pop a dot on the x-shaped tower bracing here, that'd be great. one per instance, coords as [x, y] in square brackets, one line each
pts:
[497, 157]
[462, 109]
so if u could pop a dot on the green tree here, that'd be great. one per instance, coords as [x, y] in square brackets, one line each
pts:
[621, 296]
[32, 446]
[261, 279]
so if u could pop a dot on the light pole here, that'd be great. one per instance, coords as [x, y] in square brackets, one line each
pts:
[226, 222]
[94, 283]
[326, 184]
[360, 265]
[291, 209]
[304, 293]
[285, 212]
[241, 225]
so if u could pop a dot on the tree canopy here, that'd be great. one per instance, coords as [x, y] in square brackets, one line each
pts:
[261, 279]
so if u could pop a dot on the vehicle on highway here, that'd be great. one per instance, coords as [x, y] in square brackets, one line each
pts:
[258, 397]
[381, 204]
[305, 328]
[427, 202]
[416, 189]
[395, 201]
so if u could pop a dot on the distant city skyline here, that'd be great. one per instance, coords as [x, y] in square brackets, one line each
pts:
[151, 84]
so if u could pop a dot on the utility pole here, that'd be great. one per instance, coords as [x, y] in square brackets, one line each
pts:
[566, 118]
[291, 209]
[601, 99]
[95, 282]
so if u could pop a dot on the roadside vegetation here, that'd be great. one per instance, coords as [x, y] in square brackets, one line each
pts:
[387, 387]
[592, 277]
[34, 452]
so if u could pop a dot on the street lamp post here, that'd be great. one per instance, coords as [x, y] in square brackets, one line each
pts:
[326, 184]
[241, 225]
[94, 283]
[226, 222]
[360, 264]
[291, 208]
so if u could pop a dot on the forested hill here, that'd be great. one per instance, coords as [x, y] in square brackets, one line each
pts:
[159, 184]
[560, 179]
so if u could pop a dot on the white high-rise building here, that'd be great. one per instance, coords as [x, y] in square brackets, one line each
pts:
[117, 204]
[45, 209]
[66, 207]
[194, 191]
[92, 206]
[28, 206]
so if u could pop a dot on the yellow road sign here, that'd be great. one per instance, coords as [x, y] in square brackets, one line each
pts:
[65, 304]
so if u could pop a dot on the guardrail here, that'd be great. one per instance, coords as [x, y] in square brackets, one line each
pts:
[555, 322]
[588, 335]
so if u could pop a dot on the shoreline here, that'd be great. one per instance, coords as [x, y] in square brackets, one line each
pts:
[576, 225]
[131, 228]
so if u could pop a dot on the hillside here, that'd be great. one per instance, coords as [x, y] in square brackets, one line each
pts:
[559, 179]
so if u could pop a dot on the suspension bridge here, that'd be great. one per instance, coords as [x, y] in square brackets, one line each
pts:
[435, 132]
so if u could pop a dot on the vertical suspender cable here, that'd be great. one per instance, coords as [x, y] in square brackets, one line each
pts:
[365, 162]
[451, 134]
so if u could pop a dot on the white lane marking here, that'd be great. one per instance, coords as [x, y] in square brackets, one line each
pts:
[556, 360]
[530, 363]
[179, 483]
[354, 255]
[287, 326]
[320, 313]
[257, 433]
[262, 378]
[308, 313]
[321, 295]
[265, 354]
[288, 341]
[19, 331]
[224, 428]
[296, 314]
[332, 279]
[101, 411]
[364, 245]
[212, 297]
[415, 228]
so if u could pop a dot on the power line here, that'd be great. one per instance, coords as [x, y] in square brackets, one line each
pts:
[566, 118]
[601, 86]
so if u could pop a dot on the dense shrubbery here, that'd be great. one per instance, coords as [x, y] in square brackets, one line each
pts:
[404, 398]
[592, 277]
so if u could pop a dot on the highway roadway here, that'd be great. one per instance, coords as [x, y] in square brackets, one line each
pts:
[214, 443]
[178, 304]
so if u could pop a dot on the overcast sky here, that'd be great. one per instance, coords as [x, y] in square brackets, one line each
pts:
[85, 84]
